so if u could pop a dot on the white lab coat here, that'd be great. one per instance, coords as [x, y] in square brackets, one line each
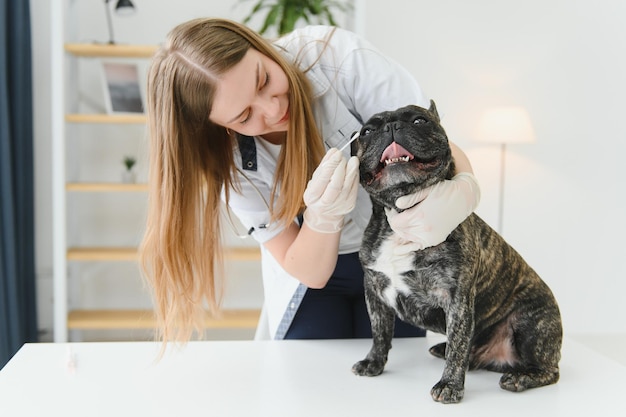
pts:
[351, 81]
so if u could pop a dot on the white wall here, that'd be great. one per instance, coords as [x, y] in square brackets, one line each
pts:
[563, 60]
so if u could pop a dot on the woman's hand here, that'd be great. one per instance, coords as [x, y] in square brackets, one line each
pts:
[433, 213]
[331, 192]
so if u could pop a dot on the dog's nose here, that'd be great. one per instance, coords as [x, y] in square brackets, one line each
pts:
[389, 126]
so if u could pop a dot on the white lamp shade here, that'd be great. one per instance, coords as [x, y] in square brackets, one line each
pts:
[505, 125]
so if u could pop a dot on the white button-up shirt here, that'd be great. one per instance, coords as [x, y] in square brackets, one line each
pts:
[351, 81]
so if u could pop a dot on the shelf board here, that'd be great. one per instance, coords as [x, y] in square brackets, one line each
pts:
[144, 319]
[102, 254]
[111, 51]
[104, 187]
[106, 118]
[243, 253]
[130, 254]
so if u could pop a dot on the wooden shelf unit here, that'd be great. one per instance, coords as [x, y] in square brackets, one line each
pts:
[65, 317]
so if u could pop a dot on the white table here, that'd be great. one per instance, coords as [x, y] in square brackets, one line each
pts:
[287, 378]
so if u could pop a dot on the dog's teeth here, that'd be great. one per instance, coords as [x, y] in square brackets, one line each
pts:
[397, 159]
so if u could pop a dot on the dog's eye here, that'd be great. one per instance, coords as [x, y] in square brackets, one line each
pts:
[366, 131]
[419, 121]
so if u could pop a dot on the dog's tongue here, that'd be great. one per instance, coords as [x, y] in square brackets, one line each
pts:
[394, 151]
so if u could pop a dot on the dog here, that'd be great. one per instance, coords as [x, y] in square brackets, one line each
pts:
[495, 310]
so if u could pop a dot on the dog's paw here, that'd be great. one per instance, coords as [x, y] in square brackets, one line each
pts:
[368, 367]
[513, 382]
[521, 381]
[447, 392]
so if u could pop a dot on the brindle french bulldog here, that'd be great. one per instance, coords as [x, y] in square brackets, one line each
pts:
[495, 310]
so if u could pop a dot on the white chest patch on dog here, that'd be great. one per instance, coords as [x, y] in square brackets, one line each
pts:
[394, 266]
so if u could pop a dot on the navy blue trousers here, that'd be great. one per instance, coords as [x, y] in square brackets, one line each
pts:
[338, 310]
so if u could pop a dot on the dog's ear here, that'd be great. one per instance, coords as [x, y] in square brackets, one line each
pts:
[433, 109]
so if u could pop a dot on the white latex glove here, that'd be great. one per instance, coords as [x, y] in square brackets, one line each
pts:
[441, 209]
[331, 192]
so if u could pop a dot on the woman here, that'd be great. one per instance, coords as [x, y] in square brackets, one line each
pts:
[237, 119]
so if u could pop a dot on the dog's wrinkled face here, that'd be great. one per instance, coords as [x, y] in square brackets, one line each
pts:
[401, 152]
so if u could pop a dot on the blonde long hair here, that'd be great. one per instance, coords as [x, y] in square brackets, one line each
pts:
[192, 159]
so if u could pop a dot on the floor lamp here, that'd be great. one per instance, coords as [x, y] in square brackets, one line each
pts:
[504, 126]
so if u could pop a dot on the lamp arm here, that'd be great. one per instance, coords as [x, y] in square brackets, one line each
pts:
[109, 21]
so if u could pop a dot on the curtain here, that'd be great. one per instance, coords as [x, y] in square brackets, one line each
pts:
[18, 315]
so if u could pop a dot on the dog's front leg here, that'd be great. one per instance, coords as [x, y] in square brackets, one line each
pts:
[460, 327]
[382, 318]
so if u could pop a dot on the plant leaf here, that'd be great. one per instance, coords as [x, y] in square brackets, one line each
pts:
[284, 14]
[270, 19]
[290, 17]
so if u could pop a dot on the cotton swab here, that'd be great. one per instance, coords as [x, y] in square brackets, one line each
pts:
[352, 139]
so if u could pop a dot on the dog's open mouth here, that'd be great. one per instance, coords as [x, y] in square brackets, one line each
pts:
[397, 154]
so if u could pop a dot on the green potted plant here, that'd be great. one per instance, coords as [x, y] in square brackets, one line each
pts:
[128, 176]
[284, 14]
